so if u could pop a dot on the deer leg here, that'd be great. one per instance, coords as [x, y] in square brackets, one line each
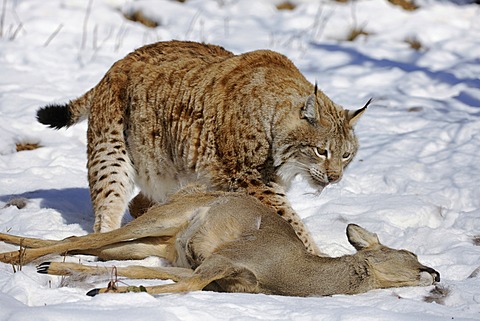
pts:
[25, 241]
[88, 244]
[135, 249]
[212, 269]
[164, 220]
[132, 272]
[80, 244]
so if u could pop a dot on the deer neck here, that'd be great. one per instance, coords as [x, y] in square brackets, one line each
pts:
[348, 274]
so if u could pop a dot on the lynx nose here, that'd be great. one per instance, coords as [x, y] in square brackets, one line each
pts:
[333, 178]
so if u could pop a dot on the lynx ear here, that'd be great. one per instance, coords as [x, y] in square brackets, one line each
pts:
[310, 110]
[354, 115]
[360, 238]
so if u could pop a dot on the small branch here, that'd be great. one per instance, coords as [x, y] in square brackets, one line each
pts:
[95, 37]
[202, 29]
[17, 30]
[120, 37]
[226, 26]
[53, 35]
[97, 46]
[85, 24]
[353, 13]
[320, 22]
[192, 24]
[2, 17]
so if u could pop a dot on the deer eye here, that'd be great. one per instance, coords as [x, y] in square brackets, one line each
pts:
[320, 152]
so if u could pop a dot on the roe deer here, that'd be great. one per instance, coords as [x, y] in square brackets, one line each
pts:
[230, 242]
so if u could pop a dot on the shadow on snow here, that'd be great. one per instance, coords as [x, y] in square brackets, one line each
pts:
[72, 203]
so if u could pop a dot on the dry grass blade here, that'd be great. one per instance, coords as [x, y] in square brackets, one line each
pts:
[19, 265]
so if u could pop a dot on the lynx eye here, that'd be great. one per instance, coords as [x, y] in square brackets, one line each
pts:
[346, 155]
[321, 153]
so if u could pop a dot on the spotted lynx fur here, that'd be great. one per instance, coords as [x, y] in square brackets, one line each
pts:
[175, 112]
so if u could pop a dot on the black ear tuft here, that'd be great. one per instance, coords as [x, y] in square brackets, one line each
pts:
[366, 105]
[354, 115]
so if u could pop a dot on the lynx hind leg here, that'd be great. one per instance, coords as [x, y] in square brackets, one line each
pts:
[274, 196]
[110, 175]
[139, 205]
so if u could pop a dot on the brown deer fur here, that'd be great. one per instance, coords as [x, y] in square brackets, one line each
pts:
[234, 243]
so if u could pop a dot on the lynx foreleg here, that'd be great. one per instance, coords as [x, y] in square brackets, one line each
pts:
[274, 196]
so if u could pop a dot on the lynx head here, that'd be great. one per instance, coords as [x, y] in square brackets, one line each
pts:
[319, 144]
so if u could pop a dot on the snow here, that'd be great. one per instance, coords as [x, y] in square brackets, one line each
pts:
[414, 182]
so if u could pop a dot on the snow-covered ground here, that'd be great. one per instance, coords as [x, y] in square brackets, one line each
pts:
[415, 181]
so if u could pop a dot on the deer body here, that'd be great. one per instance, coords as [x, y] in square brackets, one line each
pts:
[232, 242]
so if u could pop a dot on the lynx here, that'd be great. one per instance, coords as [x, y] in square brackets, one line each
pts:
[172, 113]
[231, 242]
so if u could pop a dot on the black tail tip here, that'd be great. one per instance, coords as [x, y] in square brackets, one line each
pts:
[54, 116]
[43, 267]
[93, 292]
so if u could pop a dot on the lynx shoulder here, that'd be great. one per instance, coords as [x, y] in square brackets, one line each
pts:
[175, 112]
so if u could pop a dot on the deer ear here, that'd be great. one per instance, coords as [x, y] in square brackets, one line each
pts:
[354, 115]
[360, 238]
